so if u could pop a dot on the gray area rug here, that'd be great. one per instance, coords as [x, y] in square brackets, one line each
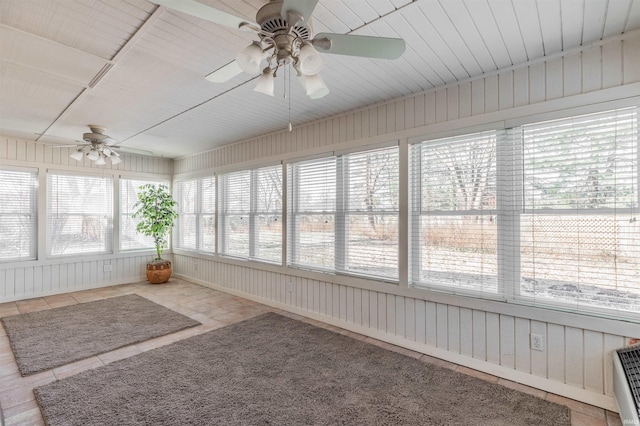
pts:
[278, 371]
[47, 339]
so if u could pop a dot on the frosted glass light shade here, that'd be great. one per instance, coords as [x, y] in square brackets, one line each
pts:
[77, 155]
[315, 86]
[93, 155]
[115, 159]
[266, 82]
[100, 161]
[249, 59]
[310, 60]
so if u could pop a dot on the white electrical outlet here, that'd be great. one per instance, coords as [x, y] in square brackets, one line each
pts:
[290, 286]
[537, 342]
[106, 268]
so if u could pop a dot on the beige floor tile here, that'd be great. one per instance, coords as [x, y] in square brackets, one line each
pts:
[32, 305]
[581, 419]
[580, 407]
[77, 367]
[118, 354]
[478, 374]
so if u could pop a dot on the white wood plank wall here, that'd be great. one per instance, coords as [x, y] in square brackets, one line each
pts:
[576, 361]
[24, 280]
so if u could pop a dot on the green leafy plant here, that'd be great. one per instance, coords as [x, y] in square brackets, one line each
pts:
[157, 210]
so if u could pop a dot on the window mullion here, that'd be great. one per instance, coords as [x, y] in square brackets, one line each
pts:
[253, 206]
[415, 218]
[342, 192]
[509, 205]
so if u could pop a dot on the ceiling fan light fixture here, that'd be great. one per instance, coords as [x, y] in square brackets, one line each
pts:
[100, 161]
[77, 155]
[266, 82]
[310, 61]
[115, 159]
[249, 59]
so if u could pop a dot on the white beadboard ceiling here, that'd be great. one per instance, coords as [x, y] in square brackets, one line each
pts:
[139, 69]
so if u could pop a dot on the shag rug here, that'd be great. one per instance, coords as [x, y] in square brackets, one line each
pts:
[272, 370]
[47, 339]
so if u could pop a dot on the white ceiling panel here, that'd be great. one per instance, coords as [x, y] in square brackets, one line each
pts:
[138, 69]
[27, 50]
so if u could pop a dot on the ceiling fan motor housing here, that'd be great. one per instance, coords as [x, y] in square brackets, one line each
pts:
[286, 38]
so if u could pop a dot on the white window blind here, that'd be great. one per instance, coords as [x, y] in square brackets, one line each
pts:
[579, 233]
[18, 214]
[312, 214]
[453, 213]
[130, 239]
[79, 214]
[344, 213]
[370, 212]
[234, 213]
[251, 214]
[207, 217]
[268, 214]
[196, 228]
[187, 199]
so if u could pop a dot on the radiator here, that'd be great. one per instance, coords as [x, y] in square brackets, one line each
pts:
[626, 383]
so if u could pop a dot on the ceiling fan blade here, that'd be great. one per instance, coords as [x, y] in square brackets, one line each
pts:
[225, 73]
[199, 10]
[302, 8]
[356, 45]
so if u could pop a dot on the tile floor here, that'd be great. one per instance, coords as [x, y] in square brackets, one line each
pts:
[213, 309]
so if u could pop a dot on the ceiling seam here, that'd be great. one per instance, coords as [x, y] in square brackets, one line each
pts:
[151, 20]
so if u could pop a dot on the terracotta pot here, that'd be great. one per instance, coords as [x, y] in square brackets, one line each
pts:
[159, 272]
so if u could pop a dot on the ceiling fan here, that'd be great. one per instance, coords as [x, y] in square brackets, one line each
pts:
[284, 32]
[97, 146]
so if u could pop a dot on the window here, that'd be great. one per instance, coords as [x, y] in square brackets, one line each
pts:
[130, 239]
[196, 229]
[79, 214]
[344, 213]
[453, 213]
[251, 214]
[18, 214]
[579, 233]
[543, 214]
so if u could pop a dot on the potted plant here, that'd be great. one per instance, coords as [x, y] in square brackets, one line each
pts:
[156, 209]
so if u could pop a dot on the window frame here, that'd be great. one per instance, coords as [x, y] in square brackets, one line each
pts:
[510, 208]
[32, 213]
[340, 213]
[251, 212]
[198, 213]
[108, 214]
